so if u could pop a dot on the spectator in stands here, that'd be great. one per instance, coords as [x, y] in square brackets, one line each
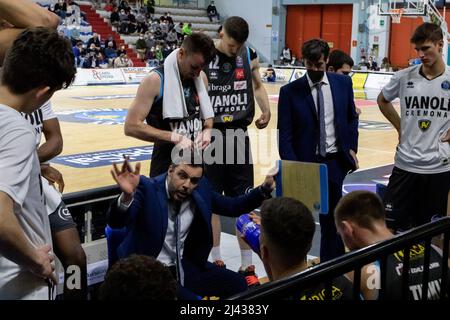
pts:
[179, 30]
[110, 39]
[114, 18]
[61, 9]
[181, 192]
[124, 21]
[149, 40]
[166, 17]
[166, 50]
[92, 50]
[73, 13]
[141, 21]
[187, 29]
[124, 5]
[361, 222]
[159, 54]
[158, 34]
[172, 38]
[212, 12]
[138, 277]
[123, 61]
[287, 230]
[164, 25]
[110, 5]
[141, 47]
[21, 14]
[74, 35]
[286, 55]
[340, 62]
[95, 41]
[295, 62]
[149, 6]
[151, 58]
[269, 75]
[91, 61]
[78, 52]
[27, 81]
[372, 64]
[103, 63]
[110, 54]
[385, 64]
[363, 64]
[122, 49]
[132, 23]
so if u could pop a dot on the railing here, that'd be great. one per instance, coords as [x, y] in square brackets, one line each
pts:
[354, 261]
[88, 209]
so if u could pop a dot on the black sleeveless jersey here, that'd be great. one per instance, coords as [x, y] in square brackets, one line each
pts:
[230, 89]
[190, 126]
[341, 289]
[394, 273]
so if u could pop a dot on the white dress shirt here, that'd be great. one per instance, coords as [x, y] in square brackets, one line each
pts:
[168, 251]
[329, 112]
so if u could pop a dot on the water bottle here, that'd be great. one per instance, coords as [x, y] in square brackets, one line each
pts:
[250, 231]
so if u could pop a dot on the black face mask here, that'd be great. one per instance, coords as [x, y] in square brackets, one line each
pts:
[346, 72]
[315, 76]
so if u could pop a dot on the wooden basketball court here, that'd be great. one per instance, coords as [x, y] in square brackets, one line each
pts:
[377, 141]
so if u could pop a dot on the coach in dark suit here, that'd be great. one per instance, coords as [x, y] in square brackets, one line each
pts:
[169, 217]
[317, 122]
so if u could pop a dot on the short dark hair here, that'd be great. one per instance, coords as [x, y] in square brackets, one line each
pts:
[198, 42]
[236, 28]
[289, 225]
[191, 157]
[361, 206]
[313, 49]
[38, 57]
[338, 58]
[427, 31]
[138, 277]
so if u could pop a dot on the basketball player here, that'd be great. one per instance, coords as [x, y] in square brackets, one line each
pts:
[66, 240]
[145, 119]
[26, 260]
[234, 83]
[360, 220]
[420, 180]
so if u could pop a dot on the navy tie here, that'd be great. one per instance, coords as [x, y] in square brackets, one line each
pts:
[321, 115]
[178, 265]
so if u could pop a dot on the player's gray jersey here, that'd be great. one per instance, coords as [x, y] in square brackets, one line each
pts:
[425, 118]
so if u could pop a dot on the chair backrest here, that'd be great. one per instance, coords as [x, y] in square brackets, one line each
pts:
[114, 238]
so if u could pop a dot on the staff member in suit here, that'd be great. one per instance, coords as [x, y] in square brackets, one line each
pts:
[317, 123]
[169, 217]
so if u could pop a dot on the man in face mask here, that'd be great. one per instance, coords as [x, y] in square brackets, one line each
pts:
[317, 122]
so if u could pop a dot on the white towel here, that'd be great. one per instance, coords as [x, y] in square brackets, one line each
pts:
[174, 104]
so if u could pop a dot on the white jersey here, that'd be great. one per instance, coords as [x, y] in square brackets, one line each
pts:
[36, 119]
[20, 179]
[425, 118]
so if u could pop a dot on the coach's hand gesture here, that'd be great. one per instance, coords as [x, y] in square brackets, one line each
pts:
[126, 178]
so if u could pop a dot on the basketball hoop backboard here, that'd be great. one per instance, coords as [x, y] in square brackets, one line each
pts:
[398, 8]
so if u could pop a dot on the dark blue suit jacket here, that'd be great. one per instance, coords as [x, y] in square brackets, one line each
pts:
[147, 218]
[298, 123]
